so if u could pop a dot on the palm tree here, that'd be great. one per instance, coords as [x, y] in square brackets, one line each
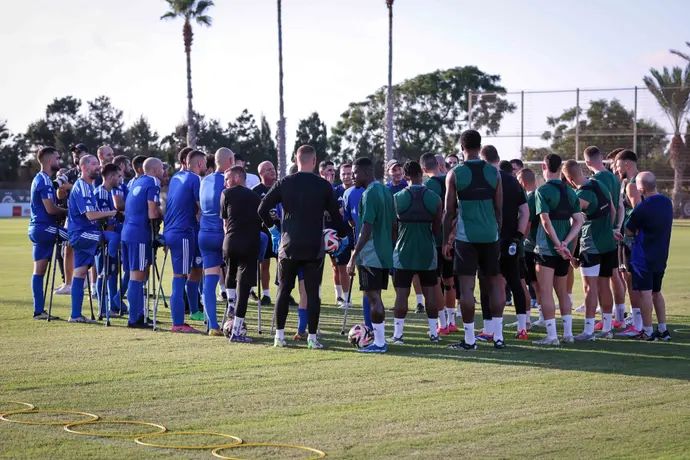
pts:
[190, 10]
[681, 54]
[671, 89]
[389, 92]
[282, 159]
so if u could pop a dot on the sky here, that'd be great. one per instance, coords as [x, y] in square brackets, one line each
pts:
[335, 52]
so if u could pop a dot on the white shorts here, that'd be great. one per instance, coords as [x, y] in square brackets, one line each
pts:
[590, 271]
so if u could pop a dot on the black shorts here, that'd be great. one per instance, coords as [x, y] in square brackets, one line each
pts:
[403, 278]
[472, 256]
[559, 264]
[444, 268]
[531, 267]
[608, 262]
[343, 258]
[644, 280]
[627, 255]
[372, 278]
[508, 264]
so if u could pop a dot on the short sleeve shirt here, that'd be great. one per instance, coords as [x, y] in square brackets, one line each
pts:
[41, 189]
[376, 209]
[596, 236]
[81, 201]
[476, 218]
[137, 227]
[415, 248]
[547, 198]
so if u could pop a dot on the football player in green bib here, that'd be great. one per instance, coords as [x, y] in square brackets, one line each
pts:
[560, 221]
[418, 211]
[475, 196]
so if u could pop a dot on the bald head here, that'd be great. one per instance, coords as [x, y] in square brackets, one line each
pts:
[105, 154]
[153, 167]
[225, 159]
[646, 183]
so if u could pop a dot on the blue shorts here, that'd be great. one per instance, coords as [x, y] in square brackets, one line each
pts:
[44, 239]
[211, 248]
[85, 245]
[263, 246]
[138, 255]
[124, 257]
[300, 275]
[183, 249]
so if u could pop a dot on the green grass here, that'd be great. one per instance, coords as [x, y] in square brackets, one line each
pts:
[604, 399]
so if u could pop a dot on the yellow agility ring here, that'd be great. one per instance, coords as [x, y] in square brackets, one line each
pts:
[70, 428]
[140, 439]
[319, 453]
[92, 417]
[29, 406]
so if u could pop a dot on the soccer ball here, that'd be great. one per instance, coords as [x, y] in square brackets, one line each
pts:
[360, 336]
[331, 242]
[227, 327]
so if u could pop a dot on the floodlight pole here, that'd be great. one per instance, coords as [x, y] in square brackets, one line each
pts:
[635, 123]
[577, 124]
[522, 122]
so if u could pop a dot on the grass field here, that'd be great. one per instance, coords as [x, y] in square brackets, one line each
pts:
[603, 399]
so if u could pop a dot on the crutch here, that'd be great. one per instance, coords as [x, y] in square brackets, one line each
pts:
[105, 299]
[347, 306]
[52, 283]
[51, 263]
[258, 305]
[159, 274]
[100, 293]
[159, 293]
[88, 286]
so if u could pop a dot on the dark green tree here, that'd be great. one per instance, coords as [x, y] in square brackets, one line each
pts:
[312, 131]
[430, 113]
[140, 139]
[104, 123]
[606, 124]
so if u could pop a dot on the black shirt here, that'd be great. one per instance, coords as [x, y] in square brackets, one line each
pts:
[304, 197]
[239, 208]
[513, 198]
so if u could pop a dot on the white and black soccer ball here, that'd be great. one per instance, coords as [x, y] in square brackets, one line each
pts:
[360, 336]
[331, 242]
[227, 327]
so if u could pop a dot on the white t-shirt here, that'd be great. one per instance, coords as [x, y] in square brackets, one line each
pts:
[252, 181]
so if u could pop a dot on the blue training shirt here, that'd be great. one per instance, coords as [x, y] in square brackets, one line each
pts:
[104, 202]
[396, 188]
[652, 219]
[137, 227]
[121, 190]
[81, 200]
[180, 207]
[351, 199]
[209, 198]
[41, 189]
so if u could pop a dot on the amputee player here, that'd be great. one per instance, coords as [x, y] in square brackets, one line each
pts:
[515, 212]
[397, 180]
[339, 263]
[475, 196]
[211, 234]
[252, 179]
[44, 227]
[650, 222]
[239, 208]
[373, 253]
[445, 288]
[112, 228]
[342, 260]
[119, 194]
[598, 256]
[558, 209]
[528, 181]
[143, 207]
[594, 159]
[180, 234]
[84, 230]
[304, 197]
[626, 161]
[267, 173]
[351, 198]
[138, 167]
[419, 212]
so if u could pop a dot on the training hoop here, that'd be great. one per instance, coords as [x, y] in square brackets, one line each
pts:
[70, 428]
[29, 406]
[138, 440]
[319, 453]
[92, 417]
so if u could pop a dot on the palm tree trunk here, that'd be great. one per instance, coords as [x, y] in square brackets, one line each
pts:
[677, 153]
[282, 159]
[191, 130]
[389, 92]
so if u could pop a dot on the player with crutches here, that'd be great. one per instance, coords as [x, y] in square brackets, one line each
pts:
[143, 206]
[44, 230]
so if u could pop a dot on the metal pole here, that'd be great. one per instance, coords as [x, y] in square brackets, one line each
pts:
[635, 123]
[522, 122]
[389, 89]
[282, 158]
[469, 109]
[577, 124]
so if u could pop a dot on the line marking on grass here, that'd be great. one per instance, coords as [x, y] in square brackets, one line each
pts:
[682, 331]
